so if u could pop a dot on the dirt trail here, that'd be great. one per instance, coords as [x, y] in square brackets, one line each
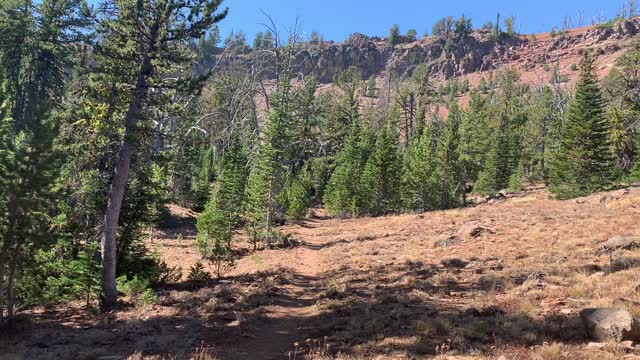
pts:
[288, 316]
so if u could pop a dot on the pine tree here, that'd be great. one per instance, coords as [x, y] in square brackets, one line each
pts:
[419, 188]
[499, 164]
[583, 162]
[371, 86]
[394, 36]
[341, 194]
[142, 48]
[504, 149]
[448, 171]
[223, 210]
[381, 177]
[35, 55]
[203, 178]
[266, 176]
[296, 195]
[475, 135]
[84, 274]
[344, 110]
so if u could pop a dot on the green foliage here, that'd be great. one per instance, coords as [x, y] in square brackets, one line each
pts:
[509, 24]
[371, 86]
[147, 298]
[342, 195]
[412, 34]
[449, 171]
[222, 212]
[201, 185]
[394, 36]
[266, 177]
[583, 162]
[198, 274]
[622, 90]
[381, 176]
[515, 180]
[296, 195]
[132, 288]
[419, 186]
[442, 26]
[137, 290]
[36, 53]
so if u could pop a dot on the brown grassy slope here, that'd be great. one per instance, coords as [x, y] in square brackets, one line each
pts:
[509, 285]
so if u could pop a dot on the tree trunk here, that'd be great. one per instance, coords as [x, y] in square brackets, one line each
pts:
[2, 266]
[267, 244]
[10, 322]
[112, 214]
[463, 184]
[118, 186]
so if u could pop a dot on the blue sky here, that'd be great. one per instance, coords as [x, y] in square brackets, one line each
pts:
[336, 19]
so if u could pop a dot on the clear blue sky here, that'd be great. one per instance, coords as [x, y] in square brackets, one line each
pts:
[336, 19]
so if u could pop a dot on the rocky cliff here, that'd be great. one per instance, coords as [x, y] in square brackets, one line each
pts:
[477, 52]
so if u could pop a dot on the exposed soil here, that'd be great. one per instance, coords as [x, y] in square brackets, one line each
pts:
[503, 279]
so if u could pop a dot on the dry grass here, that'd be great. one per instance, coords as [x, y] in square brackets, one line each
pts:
[379, 288]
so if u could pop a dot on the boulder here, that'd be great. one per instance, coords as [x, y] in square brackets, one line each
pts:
[454, 263]
[618, 243]
[621, 261]
[472, 231]
[608, 324]
[450, 241]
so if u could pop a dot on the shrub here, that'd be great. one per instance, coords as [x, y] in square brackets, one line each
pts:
[197, 273]
[148, 297]
[137, 290]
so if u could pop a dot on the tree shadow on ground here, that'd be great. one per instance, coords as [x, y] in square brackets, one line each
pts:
[228, 317]
[412, 309]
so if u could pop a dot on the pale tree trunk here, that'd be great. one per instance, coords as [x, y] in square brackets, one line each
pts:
[118, 186]
[267, 245]
[11, 295]
[2, 266]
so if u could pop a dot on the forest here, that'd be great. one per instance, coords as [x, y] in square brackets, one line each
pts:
[110, 113]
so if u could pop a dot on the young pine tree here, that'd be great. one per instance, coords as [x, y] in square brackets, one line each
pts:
[203, 178]
[583, 162]
[381, 177]
[268, 168]
[223, 210]
[296, 195]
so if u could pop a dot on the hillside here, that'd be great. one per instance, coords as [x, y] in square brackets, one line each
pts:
[529, 54]
[503, 279]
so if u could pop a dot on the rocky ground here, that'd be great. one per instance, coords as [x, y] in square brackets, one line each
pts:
[506, 279]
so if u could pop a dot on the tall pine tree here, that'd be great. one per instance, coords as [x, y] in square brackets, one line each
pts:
[266, 179]
[419, 188]
[143, 48]
[450, 182]
[341, 196]
[583, 162]
[381, 177]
